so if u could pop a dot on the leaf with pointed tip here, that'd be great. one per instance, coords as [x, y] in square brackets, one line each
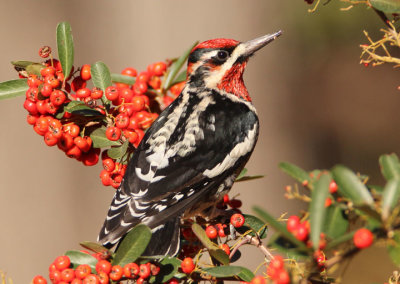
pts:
[175, 67]
[351, 186]
[22, 63]
[95, 247]
[214, 250]
[336, 224]
[390, 197]
[13, 88]
[230, 271]
[65, 46]
[77, 258]
[119, 78]
[253, 223]
[34, 69]
[100, 140]
[133, 245]
[246, 178]
[394, 248]
[386, 6]
[390, 166]
[180, 78]
[118, 152]
[101, 75]
[294, 171]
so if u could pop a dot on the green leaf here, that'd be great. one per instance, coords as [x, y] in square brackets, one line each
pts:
[394, 248]
[241, 174]
[386, 6]
[168, 268]
[286, 247]
[390, 197]
[75, 105]
[23, 63]
[13, 88]
[336, 224]
[253, 223]
[351, 186]
[175, 67]
[246, 178]
[77, 258]
[279, 227]
[95, 247]
[180, 78]
[34, 69]
[230, 271]
[317, 208]
[390, 166]
[295, 172]
[65, 46]
[118, 152]
[100, 140]
[133, 245]
[122, 79]
[214, 250]
[101, 75]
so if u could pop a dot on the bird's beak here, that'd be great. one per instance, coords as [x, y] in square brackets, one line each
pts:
[251, 46]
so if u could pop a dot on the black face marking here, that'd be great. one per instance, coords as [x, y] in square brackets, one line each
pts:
[222, 55]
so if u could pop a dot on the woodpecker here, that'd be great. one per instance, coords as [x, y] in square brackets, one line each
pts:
[191, 155]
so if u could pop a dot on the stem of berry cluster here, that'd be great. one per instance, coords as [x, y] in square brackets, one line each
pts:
[253, 241]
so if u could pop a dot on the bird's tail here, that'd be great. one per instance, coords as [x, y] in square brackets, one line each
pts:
[165, 239]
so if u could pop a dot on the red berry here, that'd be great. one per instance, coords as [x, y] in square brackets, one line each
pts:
[277, 262]
[140, 87]
[31, 107]
[237, 220]
[211, 232]
[328, 202]
[122, 121]
[131, 270]
[78, 83]
[103, 265]
[225, 248]
[46, 90]
[62, 262]
[258, 280]
[82, 271]
[55, 276]
[38, 279]
[333, 187]
[31, 119]
[50, 139]
[125, 95]
[173, 281]
[85, 72]
[116, 273]
[301, 233]
[113, 133]
[90, 158]
[154, 269]
[57, 97]
[48, 71]
[187, 265]
[74, 152]
[83, 93]
[235, 203]
[112, 93]
[159, 68]
[363, 238]
[143, 76]
[155, 82]
[129, 71]
[282, 277]
[91, 279]
[72, 129]
[292, 223]
[221, 230]
[105, 177]
[96, 93]
[32, 94]
[177, 88]
[66, 142]
[67, 275]
[138, 103]
[103, 278]
[144, 270]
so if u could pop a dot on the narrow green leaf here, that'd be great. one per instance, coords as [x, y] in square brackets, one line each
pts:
[75, 106]
[390, 166]
[246, 178]
[119, 78]
[295, 172]
[175, 67]
[386, 6]
[168, 268]
[180, 78]
[34, 69]
[279, 227]
[351, 186]
[65, 46]
[118, 152]
[100, 140]
[213, 249]
[394, 248]
[255, 224]
[230, 271]
[77, 258]
[22, 63]
[317, 208]
[13, 88]
[241, 174]
[390, 197]
[133, 245]
[95, 247]
[101, 75]
[336, 224]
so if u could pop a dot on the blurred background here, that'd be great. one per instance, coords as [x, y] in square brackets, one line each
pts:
[317, 107]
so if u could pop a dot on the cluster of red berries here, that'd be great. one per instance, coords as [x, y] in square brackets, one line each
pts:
[60, 272]
[125, 111]
[276, 271]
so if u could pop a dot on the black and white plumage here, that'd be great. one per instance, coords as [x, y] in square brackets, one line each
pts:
[191, 155]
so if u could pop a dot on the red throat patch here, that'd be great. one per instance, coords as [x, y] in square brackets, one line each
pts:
[232, 82]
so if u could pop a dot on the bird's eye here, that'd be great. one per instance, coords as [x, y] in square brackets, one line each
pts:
[222, 55]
